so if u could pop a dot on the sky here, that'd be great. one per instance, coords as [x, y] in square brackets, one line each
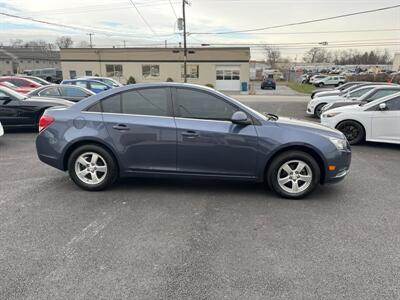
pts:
[116, 21]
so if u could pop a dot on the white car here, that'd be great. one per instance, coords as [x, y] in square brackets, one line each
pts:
[331, 80]
[315, 105]
[376, 121]
[317, 77]
[1, 130]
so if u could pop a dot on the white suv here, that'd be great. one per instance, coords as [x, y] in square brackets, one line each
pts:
[331, 80]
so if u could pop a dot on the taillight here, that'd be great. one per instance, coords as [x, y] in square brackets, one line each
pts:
[45, 121]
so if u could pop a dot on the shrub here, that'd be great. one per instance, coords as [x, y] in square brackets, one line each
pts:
[209, 85]
[169, 79]
[131, 80]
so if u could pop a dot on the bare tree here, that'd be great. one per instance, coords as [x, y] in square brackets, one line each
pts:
[83, 44]
[272, 55]
[64, 42]
[317, 55]
[16, 42]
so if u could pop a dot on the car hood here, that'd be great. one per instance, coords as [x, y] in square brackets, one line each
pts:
[327, 93]
[50, 101]
[347, 108]
[308, 126]
[329, 99]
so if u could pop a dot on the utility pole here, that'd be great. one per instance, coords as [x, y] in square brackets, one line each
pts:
[124, 44]
[90, 39]
[184, 41]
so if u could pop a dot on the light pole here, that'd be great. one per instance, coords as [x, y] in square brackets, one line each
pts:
[184, 41]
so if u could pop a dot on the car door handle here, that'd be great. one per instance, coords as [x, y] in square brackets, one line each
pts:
[121, 127]
[190, 134]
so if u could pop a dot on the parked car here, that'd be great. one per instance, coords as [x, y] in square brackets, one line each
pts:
[334, 91]
[316, 78]
[268, 83]
[374, 94]
[53, 75]
[63, 91]
[92, 85]
[330, 80]
[107, 80]
[1, 130]
[169, 129]
[375, 121]
[35, 79]
[16, 110]
[23, 85]
[314, 107]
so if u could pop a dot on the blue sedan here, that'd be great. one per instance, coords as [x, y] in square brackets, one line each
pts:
[187, 130]
[93, 85]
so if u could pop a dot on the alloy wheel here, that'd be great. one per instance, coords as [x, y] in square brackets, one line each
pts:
[295, 176]
[91, 168]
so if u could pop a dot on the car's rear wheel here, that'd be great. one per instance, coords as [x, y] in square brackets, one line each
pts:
[92, 167]
[293, 174]
[353, 131]
[318, 110]
[320, 84]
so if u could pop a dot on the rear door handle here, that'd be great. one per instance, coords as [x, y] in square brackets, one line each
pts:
[190, 134]
[121, 127]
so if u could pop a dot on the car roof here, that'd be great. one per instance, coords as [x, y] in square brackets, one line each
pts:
[84, 79]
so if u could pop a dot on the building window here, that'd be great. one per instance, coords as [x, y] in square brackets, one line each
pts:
[21, 61]
[114, 70]
[191, 70]
[37, 61]
[228, 75]
[72, 74]
[88, 73]
[150, 71]
[7, 61]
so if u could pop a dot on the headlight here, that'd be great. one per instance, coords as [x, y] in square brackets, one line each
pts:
[331, 115]
[340, 144]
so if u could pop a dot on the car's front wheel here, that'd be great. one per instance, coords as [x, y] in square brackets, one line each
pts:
[318, 110]
[92, 167]
[353, 131]
[320, 84]
[293, 174]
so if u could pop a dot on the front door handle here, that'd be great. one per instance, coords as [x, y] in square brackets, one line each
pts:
[121, 127]
[190, 134]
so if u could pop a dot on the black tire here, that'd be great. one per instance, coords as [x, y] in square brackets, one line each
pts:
[320, 84]
[280, 160]
[340, 83]
[318, 110]
[111, 165]
[354, 131]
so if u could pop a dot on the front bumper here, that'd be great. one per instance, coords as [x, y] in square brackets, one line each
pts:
[342, 163]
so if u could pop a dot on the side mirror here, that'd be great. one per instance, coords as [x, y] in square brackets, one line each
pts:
[382, 106]
[240, 118]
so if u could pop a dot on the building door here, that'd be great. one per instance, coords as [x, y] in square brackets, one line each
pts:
[228, 78]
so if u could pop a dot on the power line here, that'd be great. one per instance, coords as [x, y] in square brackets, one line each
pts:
[173, 9]
[327, 32]
[84, 29]
[303, 22]
[140, 14]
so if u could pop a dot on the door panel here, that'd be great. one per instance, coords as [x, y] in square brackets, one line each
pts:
[386, 126]
[145, 144]
[216, 147]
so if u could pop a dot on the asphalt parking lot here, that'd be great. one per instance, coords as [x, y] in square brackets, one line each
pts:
[181, 239]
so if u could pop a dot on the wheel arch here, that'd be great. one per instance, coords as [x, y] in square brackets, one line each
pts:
[79, 143]
[356, 121]
[315, 153]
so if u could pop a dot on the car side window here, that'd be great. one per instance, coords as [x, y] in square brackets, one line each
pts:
[393, 104]
[382, 93]
[360, 92]
[50, 92]
[153, 102]
[112, 104]
[73, 92]
[201, 105]
[98, 86]
[95, 108]
[3, 97]
[80, 83]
